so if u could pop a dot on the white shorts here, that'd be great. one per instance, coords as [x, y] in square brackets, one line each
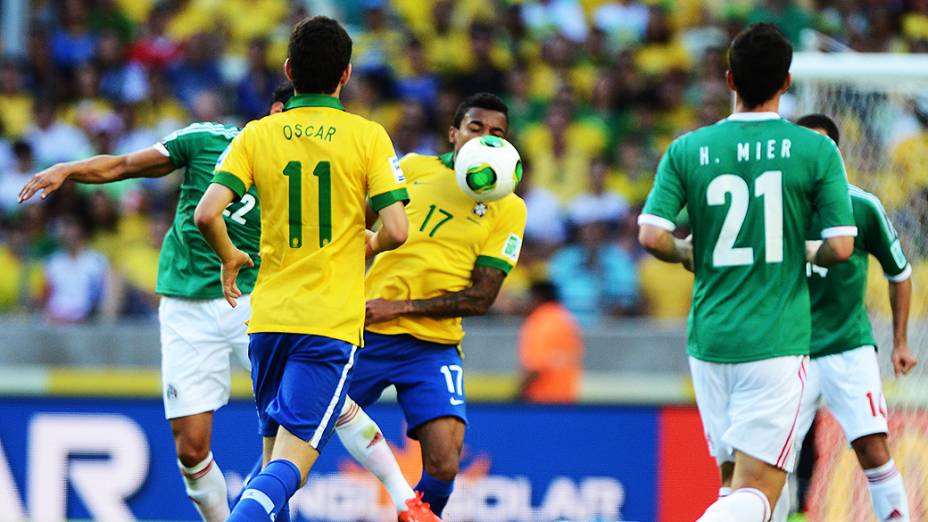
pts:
[751, 407]
[198, 339]
[850, 384]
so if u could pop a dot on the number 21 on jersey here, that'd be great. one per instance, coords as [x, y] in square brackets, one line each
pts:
[768, 187]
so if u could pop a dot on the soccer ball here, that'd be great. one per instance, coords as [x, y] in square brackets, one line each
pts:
[488, 168]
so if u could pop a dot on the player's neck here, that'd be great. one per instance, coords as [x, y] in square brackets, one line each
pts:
[771, 105]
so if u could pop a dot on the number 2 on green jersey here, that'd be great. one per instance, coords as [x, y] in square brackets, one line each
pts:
[768, 186]
[323, 171]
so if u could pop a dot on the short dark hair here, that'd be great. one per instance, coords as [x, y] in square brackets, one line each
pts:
[319, 52]
[544, 291]
[759, 59]
[282, 93]
[821, 121]
[481, 100]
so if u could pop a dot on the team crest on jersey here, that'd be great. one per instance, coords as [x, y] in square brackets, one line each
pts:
[480, 209]
[171, 392]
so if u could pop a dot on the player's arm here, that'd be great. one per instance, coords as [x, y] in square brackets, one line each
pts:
[208, 218]
[833, 203]
[474, 300]
[881, 240]
[393, 229]
[146, 163]
[664, 203]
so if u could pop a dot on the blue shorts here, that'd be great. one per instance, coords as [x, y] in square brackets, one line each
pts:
[300, 383]
[429, 377]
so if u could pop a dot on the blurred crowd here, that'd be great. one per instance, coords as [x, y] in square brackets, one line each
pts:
[596, 89]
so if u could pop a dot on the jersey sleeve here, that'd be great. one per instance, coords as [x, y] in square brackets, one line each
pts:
[386, 183]
[882, 241]
[832, 197]
[668, 195]
[502, 248]
[235, 169]
[179, 145]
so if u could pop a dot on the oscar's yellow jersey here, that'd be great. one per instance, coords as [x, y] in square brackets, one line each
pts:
[313, 165]
[449, 234]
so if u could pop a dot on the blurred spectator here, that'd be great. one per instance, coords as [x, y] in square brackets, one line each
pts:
[787, 15]
[53, 140]
[14, 178]
[624, 20]
[485, 75]
[42, 74]
[411, 134]
[662, 50]
[89, 105]
[197, 71]
[594, 277]
[546, 17]
[547, 227]
[106, 16]
[76, 277]
[380, 45]
[418, 81]
[599, 204]
[73, 44]
[21, 275]
[667, 290]
[161, 111]
[120, 80]
[634, 171]
[559, 151]
[550, 350]
[133, 137]
[155, 49]
[15, 103]
[259, 82]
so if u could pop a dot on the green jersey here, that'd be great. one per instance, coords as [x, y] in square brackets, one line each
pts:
[751, 184]
[839, 315]
[187, 266]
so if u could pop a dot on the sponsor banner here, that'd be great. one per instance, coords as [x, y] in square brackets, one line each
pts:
[108, 459]
[689, 478]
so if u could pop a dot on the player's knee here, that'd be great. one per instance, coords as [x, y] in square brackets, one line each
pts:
[442, 466]
[872, 450]
[191, 449]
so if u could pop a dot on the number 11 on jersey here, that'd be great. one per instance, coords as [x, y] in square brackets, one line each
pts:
[294, 172]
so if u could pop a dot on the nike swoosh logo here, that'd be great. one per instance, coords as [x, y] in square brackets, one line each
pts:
[456, 402]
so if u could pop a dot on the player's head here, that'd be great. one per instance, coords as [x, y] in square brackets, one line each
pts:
[478, 115]
[281, 96]
[821, 124]
[542, 292]
[758, 65]
[318, 56]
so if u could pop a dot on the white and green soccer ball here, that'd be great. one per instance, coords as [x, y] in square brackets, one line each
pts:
[488, 168]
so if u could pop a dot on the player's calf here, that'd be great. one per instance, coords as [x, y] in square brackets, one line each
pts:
[887, 491]
[203, 480]
[442, 440]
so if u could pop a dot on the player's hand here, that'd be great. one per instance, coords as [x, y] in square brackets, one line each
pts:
[230, 270]
[812, 250]
[370, 243]
[48, 181]
[903, 359]
[382, 310]
[685, 248]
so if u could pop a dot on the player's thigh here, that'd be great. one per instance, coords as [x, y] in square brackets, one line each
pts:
[374, 365]
[853, 391]
[811, 399]
[764, 409]
[313, 387]
[234, 324]
[711, 387]
[430, 385]
[194, 358]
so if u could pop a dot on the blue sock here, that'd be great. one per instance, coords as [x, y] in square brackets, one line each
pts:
[255, 470]
[435, 492]
[284, 515]
[267, 493]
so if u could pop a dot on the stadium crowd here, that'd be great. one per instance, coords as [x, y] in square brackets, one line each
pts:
[596, 90]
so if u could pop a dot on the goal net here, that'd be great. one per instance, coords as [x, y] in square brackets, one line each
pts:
[880, 103]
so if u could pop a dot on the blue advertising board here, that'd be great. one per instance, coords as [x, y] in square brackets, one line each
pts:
[113, 459]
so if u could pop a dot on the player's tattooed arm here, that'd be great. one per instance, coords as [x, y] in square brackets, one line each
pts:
[146, 163]
[474, 300]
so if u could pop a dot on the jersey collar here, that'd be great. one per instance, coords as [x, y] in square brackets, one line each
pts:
[447, 159]
[754, 116]
[313, 100]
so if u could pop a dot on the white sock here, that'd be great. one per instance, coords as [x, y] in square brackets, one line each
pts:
[781, 510]
[206, 487]
[362, 438]
[888, 493]
[724, 491]
[743, 505]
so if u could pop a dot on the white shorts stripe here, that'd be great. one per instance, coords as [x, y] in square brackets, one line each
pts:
[317, 435]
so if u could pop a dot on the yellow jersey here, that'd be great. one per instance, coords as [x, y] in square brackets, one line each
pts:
[449, 234]
[313, 166]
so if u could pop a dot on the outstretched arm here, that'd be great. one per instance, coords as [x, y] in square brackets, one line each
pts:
[474, 300]
[146, 163]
